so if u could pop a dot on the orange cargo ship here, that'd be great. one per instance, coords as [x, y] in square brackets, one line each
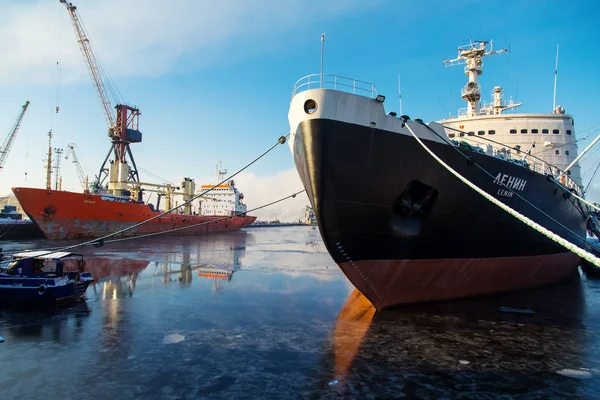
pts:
[69, 215]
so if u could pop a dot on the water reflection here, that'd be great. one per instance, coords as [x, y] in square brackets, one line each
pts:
[466, 347]
[114, 278]
[215, 260]
[63, 326]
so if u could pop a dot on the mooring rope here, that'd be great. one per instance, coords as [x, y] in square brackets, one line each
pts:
[102, 240]
[470, 160]
[595, 207]
[546, 232]
[293, 195]
[50, 250]
[549, 176]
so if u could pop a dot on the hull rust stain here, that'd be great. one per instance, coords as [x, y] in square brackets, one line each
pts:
[68, 215]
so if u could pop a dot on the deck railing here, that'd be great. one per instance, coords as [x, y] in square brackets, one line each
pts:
[335, 82]
[521, 157]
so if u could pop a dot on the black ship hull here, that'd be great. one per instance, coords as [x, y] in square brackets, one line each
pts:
[403, 229]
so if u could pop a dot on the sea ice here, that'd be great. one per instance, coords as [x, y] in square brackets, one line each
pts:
[173, 338]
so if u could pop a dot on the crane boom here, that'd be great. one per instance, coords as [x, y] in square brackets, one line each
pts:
[91, 63]
[80, 173]
[114, 175]
[10, 138]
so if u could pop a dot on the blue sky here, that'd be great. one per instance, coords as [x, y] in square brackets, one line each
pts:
[214, 79]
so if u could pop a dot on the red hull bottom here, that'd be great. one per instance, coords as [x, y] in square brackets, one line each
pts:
[63, 228]
[393, 282]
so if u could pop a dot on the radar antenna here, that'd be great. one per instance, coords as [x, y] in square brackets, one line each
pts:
[472, 56]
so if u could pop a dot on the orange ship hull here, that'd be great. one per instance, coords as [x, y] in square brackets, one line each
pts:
[68, 215]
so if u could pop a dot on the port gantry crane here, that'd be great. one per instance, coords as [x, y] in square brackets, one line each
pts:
[122, 128]
[10, 138]
[82, 176]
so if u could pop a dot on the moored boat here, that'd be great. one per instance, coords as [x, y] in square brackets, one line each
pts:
[69, 215]
[403, 228]
[42, 278]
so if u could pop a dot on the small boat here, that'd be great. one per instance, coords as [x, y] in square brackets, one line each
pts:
[42, 278]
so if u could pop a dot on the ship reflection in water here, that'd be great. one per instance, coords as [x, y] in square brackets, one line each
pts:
[266, 314]
[476, 348]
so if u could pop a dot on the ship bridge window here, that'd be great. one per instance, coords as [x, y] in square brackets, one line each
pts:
[568, 131]
[566, 152]
[451, 135]
[569, 172]
[513, 131]
[461, 134]
[523, 130]
[557, 152]
[544, 131]
[471, 133]
[481, 132]
[555, 131]
[534, 131]
[492, 132]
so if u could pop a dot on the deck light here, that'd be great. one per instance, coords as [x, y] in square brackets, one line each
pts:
[380, 98]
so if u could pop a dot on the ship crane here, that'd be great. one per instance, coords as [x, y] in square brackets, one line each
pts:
[10, 138]
[122, 127]
[83, 179]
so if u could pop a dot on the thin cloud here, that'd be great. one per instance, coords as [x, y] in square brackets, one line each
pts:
[147, 38]
[262, 190]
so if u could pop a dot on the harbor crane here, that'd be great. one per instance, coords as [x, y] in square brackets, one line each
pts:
[10, 138]
[83, 180]
[123, 129]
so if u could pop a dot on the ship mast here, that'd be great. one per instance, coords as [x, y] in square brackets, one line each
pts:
[49, 162]
[220, 172]
[472, 56]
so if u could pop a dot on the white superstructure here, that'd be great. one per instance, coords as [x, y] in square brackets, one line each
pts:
[549, 137]
[224, 199]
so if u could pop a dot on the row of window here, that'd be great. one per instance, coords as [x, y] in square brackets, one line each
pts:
[490, 132]
[544, 131]
[512, 131]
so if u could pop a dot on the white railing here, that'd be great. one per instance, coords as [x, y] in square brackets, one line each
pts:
[335, 82]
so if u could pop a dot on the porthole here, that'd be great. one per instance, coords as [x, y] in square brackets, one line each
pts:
[310, 106]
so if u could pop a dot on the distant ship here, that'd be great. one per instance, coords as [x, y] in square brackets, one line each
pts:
[401, 226]
[309, 216]
[70, 215]
[14, 227]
